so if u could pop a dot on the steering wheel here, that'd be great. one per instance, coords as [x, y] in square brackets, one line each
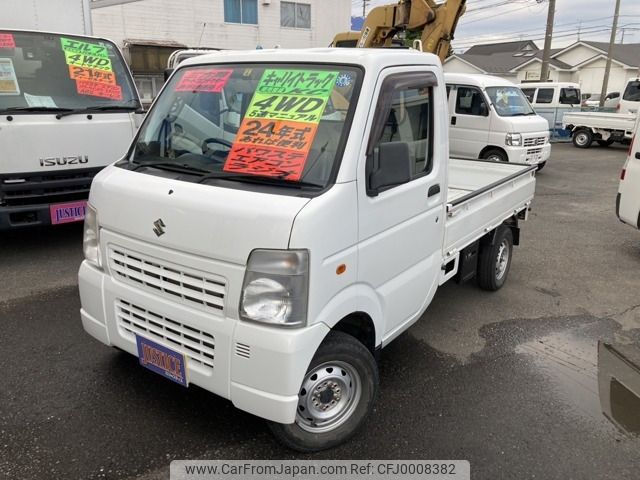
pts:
[221, 141]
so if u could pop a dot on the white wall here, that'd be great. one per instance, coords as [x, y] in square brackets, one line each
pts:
[47, 15]
[455, 65]
[577, 55]
[200, 23]
[590, 77]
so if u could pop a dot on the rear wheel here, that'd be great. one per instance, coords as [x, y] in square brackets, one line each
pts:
[606, 143]
[495, 155]
[495, 260]
[335, 398]
[583, 138]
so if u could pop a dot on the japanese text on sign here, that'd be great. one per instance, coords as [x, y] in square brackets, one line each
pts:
[97, 89]
[281, 123]
[76, 46]
[85, 73]
[7, 40]
[201, 80]
[90, 61]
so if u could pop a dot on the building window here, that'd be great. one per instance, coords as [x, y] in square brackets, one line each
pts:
[241, 11]
[295, 15]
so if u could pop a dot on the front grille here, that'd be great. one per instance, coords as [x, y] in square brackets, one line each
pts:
[133, 320]
[534, 141]
[534, 151]
[19, 190]
[175, 282]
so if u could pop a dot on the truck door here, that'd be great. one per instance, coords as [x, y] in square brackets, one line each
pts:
[470, 123]
[401, 227]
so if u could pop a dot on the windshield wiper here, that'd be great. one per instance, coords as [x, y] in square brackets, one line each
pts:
[99, 108]
[34, 109]
[173, 167]
[275, 181]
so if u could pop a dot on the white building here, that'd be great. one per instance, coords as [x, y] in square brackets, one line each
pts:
[583, 63]
[149, 30]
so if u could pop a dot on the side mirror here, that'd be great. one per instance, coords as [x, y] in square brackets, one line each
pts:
[484, 111]
[167, 73]
[391, 166]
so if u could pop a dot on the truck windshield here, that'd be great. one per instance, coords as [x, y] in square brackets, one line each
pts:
[632, 92]
[509, 101]
[43, 72]
[275, 124]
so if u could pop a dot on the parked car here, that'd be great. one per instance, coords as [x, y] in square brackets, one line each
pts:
[630, 102]
[270, 264]
[611, 101]
[604, 128]
[552, 100]
[491, 119]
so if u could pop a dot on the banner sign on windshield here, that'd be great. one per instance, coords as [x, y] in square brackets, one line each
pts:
[91, 74]
[84, 48]
[99, 89]
[277, 132]
[8, 80]
[7, 40]
[204, 80]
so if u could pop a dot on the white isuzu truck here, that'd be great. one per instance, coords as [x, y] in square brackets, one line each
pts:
[270, 260]
[67, 108]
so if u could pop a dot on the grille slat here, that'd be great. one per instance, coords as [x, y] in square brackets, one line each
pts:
[192, 288]
[196, 344]
[534, 141]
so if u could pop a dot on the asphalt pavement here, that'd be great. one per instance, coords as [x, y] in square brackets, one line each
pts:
[506, 380]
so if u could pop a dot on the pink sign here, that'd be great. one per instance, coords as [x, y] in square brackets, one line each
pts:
[68, 212]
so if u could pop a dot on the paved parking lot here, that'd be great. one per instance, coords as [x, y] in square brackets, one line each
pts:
[505, 380]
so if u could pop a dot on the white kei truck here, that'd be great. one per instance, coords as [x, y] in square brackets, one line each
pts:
[269, 262]
[628, 200]
[68, 107]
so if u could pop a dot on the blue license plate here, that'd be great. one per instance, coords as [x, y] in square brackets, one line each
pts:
[162, 360]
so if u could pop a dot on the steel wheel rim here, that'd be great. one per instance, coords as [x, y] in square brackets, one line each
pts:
[495, 158]
[503, 260]
[581, 138]
[328, 397]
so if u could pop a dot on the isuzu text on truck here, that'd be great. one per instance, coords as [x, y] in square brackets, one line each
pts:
[269, 261]
[67, 109]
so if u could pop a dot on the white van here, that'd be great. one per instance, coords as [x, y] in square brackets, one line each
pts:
[630, 102]
[491, 119]
[628, 201]
[552, 100]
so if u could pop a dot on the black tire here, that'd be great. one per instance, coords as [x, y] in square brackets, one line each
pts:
[606, 143]
[490, 276]
[541, 165]
[495, 155]
[582, 138]
[342, 349]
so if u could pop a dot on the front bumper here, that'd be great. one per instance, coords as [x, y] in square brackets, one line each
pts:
[529, 155]
[260, 369]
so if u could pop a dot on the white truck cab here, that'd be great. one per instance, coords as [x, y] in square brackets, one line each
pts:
[628, 201]
[491, 119]
[67, 108]
[630, 101]
[270, 262]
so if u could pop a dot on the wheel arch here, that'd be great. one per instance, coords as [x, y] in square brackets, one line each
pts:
[492, 147]
[360, 326]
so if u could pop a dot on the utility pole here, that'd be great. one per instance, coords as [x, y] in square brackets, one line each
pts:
[364, 8]
[546, 55]
[607, 70]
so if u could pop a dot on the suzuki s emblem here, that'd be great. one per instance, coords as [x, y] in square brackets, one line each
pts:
[158, 227]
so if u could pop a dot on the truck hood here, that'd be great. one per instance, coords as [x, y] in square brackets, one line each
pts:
[210, 221]
[529, 124]
[42, 144]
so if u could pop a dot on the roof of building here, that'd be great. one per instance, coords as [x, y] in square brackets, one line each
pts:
[505, 47]
[628, 53]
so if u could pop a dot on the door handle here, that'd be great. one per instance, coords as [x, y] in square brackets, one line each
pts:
[433, 190]
[454, 120]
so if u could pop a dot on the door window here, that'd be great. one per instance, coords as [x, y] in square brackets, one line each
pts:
[570, 96]
[529, 93]
[409, 120]
[470, 101]
[545, 95]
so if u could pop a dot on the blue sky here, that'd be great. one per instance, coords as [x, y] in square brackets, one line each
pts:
[499, 20]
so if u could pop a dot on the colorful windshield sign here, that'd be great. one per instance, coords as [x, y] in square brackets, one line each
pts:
[278, 130]
[204, 80]
[7, 40]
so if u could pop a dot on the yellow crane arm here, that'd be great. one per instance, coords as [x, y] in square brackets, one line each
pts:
[437, 22]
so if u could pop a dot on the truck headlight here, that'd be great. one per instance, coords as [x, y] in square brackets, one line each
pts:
[275, 288]
[514, 140]
[90, 239]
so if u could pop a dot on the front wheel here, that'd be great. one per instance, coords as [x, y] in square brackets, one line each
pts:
[606, 143]
[583, 138]
[335, 398]
[495, 155]
[495, 260]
